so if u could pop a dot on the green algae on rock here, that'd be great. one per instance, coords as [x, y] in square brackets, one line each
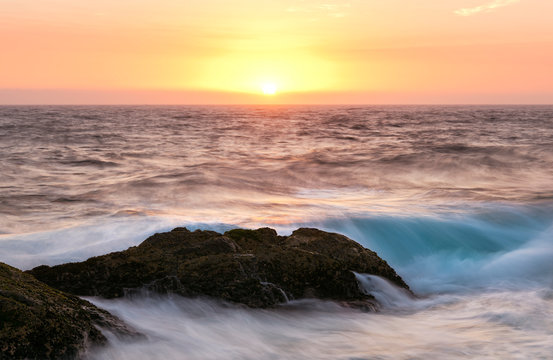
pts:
[257, 268]
[39, 322]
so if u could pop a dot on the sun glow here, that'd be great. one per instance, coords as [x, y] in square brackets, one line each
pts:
[269, 88]
[290, 70]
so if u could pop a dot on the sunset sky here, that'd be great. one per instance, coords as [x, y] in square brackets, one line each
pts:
[303, 51]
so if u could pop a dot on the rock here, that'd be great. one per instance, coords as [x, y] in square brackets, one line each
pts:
[38, 322]
[257, 268]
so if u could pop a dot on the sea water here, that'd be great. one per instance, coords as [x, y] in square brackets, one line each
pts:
[458, 199]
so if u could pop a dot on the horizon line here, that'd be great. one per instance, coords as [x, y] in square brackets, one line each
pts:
[173, 97]
[280, 104]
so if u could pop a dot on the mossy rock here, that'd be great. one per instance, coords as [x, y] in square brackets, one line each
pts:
[39, 322]
[257, 268]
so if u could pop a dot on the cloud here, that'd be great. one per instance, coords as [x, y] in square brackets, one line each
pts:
[484, 8]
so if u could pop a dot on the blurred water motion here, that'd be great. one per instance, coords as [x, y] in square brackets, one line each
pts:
[458, 199]
[272, 164]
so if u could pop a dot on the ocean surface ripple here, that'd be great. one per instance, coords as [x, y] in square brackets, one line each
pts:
[62, 165]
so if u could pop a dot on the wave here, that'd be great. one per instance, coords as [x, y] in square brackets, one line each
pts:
[507, 247]
[502, 247]
[78, 243]
[483, 280]
[387, 294]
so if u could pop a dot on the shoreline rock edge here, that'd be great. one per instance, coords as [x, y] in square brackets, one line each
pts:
[39, 322]
[257, 268]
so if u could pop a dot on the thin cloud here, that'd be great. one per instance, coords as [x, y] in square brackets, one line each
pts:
[484, 8]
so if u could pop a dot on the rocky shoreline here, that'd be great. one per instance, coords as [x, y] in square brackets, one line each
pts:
[42, 317]
[39, 322]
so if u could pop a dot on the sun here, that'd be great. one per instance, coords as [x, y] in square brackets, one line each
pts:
[269, 89]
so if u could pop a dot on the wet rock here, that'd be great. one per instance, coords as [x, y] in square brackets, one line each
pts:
[257, 268]
[39, 322]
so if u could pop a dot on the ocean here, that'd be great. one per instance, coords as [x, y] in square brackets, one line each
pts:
[458, 199]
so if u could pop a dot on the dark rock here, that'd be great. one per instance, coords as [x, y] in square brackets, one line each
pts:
[38, 322]
[253, 267]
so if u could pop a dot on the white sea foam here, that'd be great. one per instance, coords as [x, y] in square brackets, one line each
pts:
[387, 294]
[506, 325]
[78, 243]
[483, 283]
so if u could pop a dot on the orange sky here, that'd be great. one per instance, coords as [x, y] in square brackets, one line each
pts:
[327, 51]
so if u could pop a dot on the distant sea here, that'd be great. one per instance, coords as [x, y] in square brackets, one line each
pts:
[458, 199]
